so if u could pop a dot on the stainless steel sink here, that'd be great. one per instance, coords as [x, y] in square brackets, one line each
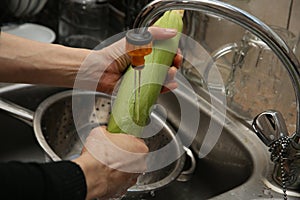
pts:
[17, 138]
[238, 166]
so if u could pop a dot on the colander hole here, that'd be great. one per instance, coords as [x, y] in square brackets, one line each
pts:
[97, 109]
[102, 105]
[94, 115]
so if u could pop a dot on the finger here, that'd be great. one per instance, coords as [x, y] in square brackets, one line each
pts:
[177, 61]
[171, 74]
[170, 83]
[169, 86]
[162, 33]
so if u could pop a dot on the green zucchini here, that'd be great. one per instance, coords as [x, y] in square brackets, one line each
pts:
[124, 117]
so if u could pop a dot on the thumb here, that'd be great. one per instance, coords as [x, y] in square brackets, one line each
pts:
[162, 33]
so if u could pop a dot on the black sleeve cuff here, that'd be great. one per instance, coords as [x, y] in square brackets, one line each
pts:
[62, 180]
[67, 180]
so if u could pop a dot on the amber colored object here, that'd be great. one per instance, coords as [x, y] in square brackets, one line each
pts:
[138, 45]
[137, 54]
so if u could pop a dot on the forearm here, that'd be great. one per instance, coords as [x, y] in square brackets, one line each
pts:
[26, 61]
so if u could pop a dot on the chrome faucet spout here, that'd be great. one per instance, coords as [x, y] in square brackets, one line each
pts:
[153, 10]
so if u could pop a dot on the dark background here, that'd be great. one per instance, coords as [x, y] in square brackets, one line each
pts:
[49, 15]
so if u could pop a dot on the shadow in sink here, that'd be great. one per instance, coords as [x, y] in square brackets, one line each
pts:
[18, 142]
[207, 181]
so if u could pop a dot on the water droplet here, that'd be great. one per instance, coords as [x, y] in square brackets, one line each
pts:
[152, 193]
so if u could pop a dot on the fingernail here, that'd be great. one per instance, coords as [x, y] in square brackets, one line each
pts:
[170, 30]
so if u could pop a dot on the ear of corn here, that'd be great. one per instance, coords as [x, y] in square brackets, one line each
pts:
[124, 117]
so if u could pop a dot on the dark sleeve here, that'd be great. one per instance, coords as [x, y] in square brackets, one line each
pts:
[62, 180]
[4, 11]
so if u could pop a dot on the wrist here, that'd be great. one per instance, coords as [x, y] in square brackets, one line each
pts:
[95, 174]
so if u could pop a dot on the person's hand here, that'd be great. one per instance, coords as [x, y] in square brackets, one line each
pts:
[119, 61]
[115, 61]
[111, 163]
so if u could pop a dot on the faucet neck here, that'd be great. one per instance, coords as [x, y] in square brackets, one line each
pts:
[153, 10]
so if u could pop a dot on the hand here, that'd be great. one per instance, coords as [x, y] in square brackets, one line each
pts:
[111, 163]
[116, 61]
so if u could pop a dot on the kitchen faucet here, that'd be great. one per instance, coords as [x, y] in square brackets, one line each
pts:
[269, 125]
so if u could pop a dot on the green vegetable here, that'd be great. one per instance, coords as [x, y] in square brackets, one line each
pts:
[127, 119]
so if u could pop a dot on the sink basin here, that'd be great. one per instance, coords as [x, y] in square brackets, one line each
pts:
[235, 167]
[17, 138]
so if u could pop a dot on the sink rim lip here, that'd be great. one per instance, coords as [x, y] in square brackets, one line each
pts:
[15, 86]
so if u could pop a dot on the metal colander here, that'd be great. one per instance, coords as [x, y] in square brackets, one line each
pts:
[59, 134]
[55, 130]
